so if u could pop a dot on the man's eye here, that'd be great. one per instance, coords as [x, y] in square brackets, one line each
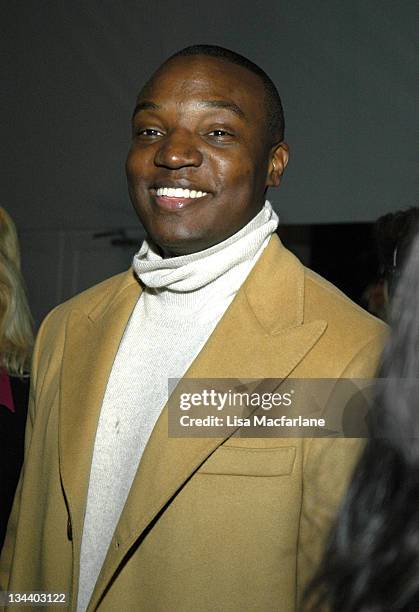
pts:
[219, 133]
[149, 132]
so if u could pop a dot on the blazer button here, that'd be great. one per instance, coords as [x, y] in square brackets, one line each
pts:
[69, 530]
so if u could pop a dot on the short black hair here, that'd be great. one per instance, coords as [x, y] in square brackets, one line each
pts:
[394, 234]
[274, 110]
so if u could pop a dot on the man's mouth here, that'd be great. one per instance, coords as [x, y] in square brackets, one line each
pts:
[176, 198]
[178, 192]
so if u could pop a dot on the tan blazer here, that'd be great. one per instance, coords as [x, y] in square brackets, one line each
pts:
[209, 525]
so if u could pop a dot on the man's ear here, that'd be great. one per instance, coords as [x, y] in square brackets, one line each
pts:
[277, 164]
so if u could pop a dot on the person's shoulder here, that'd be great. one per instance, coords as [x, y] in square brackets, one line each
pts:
[353, 336]
[89, 300]
[325, 301]
[353, 340]
[319, 298]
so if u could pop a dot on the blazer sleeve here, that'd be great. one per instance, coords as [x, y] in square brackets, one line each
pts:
[328, 467]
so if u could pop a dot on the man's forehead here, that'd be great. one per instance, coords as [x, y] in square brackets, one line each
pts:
[219, 103]
[218, 77]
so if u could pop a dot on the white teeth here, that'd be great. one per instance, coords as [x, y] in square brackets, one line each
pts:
[180, 193]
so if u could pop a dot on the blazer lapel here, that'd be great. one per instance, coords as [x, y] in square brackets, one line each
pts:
[92, 340]
[261, 335]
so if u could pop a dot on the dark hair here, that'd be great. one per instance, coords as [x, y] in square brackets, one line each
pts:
[394, 234]
[371, 563]
[274, 110]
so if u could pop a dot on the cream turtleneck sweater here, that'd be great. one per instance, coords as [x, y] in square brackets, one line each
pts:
[182, 301]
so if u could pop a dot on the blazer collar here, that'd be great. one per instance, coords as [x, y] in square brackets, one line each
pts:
[126, 287]
[280, 270]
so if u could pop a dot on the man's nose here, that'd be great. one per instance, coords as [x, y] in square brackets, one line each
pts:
[178, 150]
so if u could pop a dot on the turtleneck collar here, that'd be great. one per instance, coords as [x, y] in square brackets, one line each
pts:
[191, 272]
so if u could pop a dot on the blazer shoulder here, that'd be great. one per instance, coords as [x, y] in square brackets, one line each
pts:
[89, 300]
[324, 300]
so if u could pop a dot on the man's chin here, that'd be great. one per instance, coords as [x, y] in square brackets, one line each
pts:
[178, 246]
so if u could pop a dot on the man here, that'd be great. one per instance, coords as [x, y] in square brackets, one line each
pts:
[113, 511]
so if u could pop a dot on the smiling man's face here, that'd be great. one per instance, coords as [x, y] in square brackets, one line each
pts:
[201, 155]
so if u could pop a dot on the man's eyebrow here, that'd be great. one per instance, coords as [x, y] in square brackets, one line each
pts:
[227, 104]
[145, 105]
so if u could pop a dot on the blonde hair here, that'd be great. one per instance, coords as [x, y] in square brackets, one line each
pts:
[16, 337]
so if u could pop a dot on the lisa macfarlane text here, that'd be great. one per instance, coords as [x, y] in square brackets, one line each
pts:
[253, 421]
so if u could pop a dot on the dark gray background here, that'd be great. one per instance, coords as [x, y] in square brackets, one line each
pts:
[347, 71]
